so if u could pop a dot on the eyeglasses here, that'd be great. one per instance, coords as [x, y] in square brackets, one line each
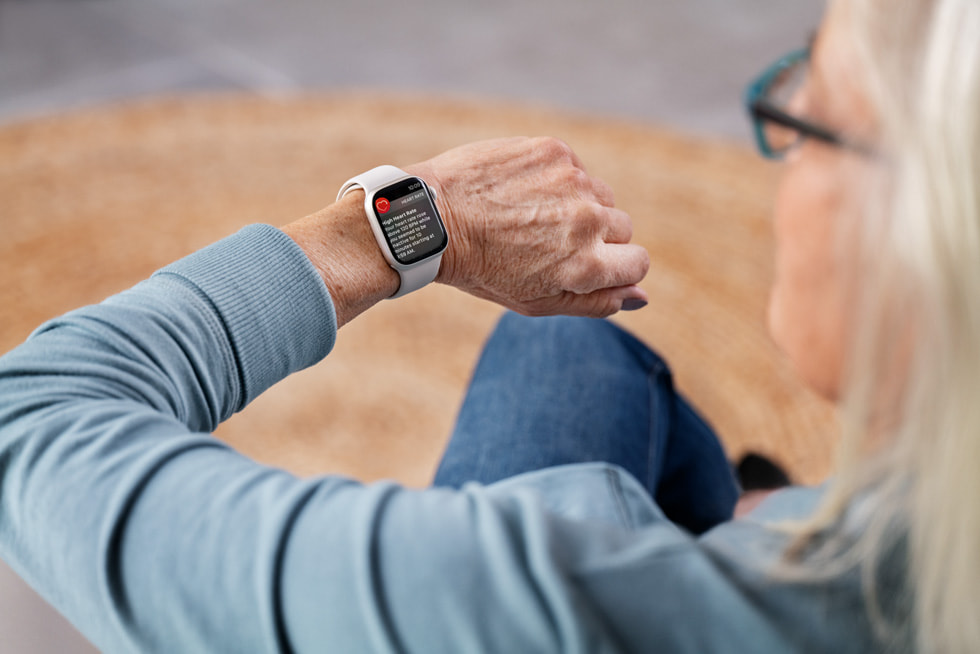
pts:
[776, 131]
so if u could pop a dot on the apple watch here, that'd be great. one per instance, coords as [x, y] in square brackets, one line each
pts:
[402, 211]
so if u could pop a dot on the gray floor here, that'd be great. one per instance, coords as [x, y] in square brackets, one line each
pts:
[676, 62]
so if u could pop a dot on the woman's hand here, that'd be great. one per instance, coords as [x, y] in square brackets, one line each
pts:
[531, 230]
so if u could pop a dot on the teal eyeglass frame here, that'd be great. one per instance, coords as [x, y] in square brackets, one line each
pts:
[762, 111]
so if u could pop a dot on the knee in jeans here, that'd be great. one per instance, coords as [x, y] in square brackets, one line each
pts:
[569, 331]
[576, 334]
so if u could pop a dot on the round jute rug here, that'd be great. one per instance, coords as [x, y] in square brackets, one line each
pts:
[94, 201]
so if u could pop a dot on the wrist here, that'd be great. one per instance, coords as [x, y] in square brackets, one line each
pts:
[339, 242]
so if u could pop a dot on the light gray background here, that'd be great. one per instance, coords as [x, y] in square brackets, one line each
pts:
[682, 63]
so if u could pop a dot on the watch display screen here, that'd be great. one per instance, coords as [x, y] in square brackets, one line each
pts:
[409, 221]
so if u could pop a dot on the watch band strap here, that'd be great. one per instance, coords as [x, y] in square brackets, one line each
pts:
[372, 180]
[412, 278]
[417, 276]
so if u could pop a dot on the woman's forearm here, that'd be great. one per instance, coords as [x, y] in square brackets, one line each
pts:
[340, 245]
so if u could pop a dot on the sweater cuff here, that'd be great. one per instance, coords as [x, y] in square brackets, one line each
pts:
[273, 304]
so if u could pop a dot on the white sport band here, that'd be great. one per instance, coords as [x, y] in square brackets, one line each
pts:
[402, 212]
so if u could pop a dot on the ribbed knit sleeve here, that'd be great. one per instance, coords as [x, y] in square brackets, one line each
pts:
[115, 500]
[273, 305]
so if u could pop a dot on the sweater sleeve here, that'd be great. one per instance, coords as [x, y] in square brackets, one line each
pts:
[108, 409]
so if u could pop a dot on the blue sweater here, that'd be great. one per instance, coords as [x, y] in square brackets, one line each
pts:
[150, 534]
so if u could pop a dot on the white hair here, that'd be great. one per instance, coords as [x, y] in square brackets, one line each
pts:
[910, 404]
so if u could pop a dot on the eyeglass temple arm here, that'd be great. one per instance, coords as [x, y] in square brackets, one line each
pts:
[763, 109]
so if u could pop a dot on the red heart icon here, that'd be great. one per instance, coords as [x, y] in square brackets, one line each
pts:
[382, 205]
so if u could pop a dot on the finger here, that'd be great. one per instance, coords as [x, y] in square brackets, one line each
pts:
[576, 160]
[603, 193]
[555, 150]
[606, 265]
[601, 303]
[618, 227]
[618, 265]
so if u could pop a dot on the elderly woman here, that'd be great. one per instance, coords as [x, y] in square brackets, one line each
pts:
[598, 513]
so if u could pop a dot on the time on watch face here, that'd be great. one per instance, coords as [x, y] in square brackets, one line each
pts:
[409, 221]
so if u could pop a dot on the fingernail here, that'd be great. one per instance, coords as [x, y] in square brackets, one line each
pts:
[632, 304]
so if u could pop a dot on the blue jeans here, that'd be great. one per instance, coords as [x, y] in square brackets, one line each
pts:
[553, 391]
